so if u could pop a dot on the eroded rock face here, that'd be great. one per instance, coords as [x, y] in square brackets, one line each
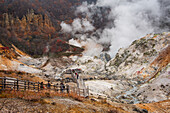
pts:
[152, 91]
[133, 61]
[156, 90]
[140, 73]
[132, 92]
[15, 60]
[90, 65]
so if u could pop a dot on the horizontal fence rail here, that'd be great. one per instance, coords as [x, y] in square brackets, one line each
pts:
[7, 83]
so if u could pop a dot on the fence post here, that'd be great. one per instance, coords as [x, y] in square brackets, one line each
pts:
[28, 85]
[84, 94]
[17, 85]
[67, 88]
[57, 88]
[15, 82]
[4, 83]
[25, 85]
[88, 91]
[34, 86]
[38, 86]
[1, 86]
[78, 90]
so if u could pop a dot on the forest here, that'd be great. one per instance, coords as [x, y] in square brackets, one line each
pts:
[31, 25]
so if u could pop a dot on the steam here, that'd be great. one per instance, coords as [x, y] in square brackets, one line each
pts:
[65, 27]
[89, 45]
[78, 25]
[131, 19]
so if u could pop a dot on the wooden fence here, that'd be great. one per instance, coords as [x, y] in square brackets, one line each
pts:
[7, 83]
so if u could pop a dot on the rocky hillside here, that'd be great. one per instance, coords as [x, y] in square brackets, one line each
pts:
[10, 60]
[13, 60]
[138, 73]
[143, 58]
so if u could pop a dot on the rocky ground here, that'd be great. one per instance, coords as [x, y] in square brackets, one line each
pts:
[67, 105]
[57, 105]
[134, 60]
[137, 74]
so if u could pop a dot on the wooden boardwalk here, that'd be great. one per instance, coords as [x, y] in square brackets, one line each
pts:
[80, 83]
[7, 83]
[77, 78]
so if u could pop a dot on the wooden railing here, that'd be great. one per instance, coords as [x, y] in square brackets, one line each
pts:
[7, 83]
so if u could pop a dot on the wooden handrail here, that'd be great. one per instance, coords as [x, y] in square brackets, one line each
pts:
[8, 83]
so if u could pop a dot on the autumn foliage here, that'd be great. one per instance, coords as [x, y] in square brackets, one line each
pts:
[31, 24]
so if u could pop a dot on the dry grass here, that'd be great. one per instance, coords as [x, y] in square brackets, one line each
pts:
[45, 98]
[157, 107]
[5, 61]
[37, 96]
[21, 76]
[104, 104]
[163, 59]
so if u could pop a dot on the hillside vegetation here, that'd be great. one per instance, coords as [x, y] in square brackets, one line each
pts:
[38, 22]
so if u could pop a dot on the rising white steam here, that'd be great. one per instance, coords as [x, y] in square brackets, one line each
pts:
[90, 46]
[65, 27]
[78, 25]
[87, 25]
[132, 19]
